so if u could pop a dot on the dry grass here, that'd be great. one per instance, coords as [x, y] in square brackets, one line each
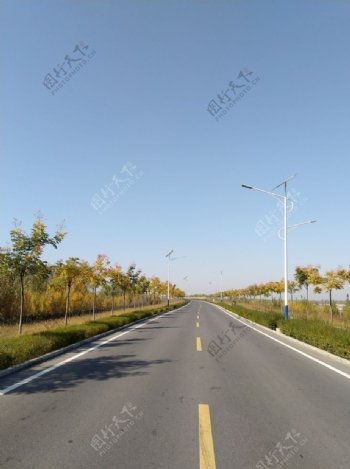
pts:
[12, 330]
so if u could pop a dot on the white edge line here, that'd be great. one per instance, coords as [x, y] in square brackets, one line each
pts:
[77, 355]
[310, 357]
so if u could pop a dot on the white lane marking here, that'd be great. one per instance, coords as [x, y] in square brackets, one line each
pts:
[310, 357]
[74, 357]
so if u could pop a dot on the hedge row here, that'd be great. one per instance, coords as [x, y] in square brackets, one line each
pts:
[270, 319]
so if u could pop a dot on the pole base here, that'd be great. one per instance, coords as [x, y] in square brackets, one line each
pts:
[286, 312]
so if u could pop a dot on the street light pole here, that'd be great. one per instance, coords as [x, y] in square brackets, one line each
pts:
[285, 311]
[285, 238]
[221, 285]
[168, 256]
[285, 199]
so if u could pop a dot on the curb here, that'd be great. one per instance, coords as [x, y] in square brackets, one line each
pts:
[61, 351]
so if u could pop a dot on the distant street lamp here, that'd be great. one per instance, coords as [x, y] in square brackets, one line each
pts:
[285, 229]
[169, 259]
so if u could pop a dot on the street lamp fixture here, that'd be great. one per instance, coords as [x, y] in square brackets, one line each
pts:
[291, 227]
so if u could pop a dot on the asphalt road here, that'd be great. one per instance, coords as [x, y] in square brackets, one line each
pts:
[154, 396]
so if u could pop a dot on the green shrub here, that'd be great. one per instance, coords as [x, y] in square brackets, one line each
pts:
[268, 319]
[5, 360]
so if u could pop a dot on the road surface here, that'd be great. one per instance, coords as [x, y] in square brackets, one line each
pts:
[193, 388]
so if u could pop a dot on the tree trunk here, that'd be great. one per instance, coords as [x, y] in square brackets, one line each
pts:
[67, 304]
[22, 305]
[330, 304]
[307, 291]
[124, 293]
[112, 305]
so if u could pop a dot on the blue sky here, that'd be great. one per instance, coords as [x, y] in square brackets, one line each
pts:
[133, 121]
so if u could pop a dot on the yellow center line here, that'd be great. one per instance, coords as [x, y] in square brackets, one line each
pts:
[206, 445]
[199, 344]
[197, 324]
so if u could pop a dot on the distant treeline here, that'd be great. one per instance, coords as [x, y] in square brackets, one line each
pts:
[304, 277]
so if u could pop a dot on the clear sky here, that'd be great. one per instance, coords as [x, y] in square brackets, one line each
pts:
[127, 153]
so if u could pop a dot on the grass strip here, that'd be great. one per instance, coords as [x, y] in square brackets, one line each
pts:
[320, 334]
[314, 332]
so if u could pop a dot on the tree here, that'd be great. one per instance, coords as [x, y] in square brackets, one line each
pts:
[67, 273]
[143, 286]
[315, 278]
[97, 277]
[7, 291]
[344, 274]
[332, 281]
[278, 287]
[155, 287]
[301, 278]
[114, 274]
[133, 276]
[305, 276]
[124, 285]
[177, 292]
[263, 290]
[270, 289]
[23, 258]
[292, 288]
